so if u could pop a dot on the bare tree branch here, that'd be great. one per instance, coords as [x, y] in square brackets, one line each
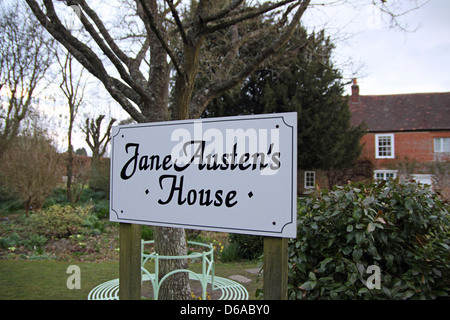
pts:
[224, 12]
[159, 34]
[86, 56]
[210, 91]
[25, 56]
[225, 23]
[177, 20]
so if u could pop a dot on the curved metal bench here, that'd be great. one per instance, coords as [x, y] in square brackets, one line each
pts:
[231, 290]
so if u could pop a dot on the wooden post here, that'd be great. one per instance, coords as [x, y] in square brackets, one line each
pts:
[130, 262]
[275, 268]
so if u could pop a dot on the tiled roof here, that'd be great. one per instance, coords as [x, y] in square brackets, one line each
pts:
[401, 112]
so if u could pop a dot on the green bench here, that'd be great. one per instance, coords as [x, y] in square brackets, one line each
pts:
[230, 290]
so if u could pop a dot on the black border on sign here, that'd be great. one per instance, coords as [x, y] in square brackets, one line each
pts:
[209, 120]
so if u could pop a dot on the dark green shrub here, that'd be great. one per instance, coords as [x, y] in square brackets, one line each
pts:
[10, 241]
[229, 253]
[248, 246]
[100, 177]
[101, 209]
[402, 228]
[146, 232]
[35, 241]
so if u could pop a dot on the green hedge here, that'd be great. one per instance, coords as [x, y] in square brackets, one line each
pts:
[400, 228]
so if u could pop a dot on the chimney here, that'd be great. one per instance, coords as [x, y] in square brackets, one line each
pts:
[355, 92]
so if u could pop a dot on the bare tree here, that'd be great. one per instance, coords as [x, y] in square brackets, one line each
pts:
[72, 85]
[94, 139]
[24, 59]
[204, 38]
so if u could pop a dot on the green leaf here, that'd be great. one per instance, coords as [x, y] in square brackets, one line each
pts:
[368, 201]
[408, 294]
[359, 237]
[326, 261]
[381, 220]
[371, 227]
[363, 291]
[349, 228]
[408, 205]
[308, 285]
[357, 254]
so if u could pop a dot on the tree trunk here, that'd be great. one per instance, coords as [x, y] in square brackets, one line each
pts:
[172, 242]
[70, 162]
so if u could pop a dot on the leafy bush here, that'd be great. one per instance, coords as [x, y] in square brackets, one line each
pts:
[101, 209]
[60, 221]
[146, 232]
[248, 246]
[229, 253]
[93, 224]
[35, 241]
[402, 228]
[10, 241]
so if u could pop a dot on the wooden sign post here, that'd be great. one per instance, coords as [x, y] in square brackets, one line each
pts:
[275, 277]
[230, 174]
[130, 261]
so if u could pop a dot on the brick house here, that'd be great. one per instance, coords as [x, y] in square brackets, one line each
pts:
[408, 135]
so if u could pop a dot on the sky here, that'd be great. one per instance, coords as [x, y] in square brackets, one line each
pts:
[384, 60]
[389, 60]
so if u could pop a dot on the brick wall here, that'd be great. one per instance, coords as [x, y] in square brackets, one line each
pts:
[417, 146]
[414, 154]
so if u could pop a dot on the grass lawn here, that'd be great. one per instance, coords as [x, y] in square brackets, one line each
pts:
[25, 275]
[36, 280]
[46, 280]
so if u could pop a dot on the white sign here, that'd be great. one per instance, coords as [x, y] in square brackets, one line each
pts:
[231, 174]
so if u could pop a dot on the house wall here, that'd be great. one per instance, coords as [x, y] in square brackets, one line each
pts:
[321, 181]
[417, 146]
[414, 156]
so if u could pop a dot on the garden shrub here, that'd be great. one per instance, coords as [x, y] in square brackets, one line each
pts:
[402, 228]
[101, 209]
[229, 253]
[248, 246]
[60, 221]
[34, 241]
[146, 233]
[10, 241]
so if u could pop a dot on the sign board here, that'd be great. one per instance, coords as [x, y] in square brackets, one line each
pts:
[230, 174]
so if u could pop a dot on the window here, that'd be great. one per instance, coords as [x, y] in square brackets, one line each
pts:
[385, 174]
[384, 146]
[423, 178]
[442, 145]
[310, 179]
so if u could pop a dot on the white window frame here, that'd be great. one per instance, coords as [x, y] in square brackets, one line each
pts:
[439, 143]
[386, 174]
[307, 181]
[377, 146]
[421, 178]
